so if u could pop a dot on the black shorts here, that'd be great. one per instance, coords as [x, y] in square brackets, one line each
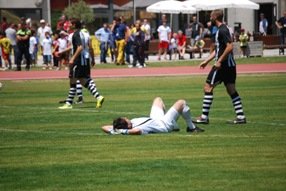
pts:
[227, 75]
[80, 71]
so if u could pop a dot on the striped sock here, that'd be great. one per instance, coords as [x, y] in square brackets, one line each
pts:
[78, 89]
[236, 101]
[71, 94]
[207, 102]
[90, 85]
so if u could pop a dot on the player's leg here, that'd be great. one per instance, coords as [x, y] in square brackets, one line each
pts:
[212, 80]
[91, 86]
[72, 92]
[79, 92]
[237, 104]
[182, 108]
[157, 109]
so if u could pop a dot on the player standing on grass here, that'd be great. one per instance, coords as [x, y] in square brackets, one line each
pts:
[224, 70]
[79, 65]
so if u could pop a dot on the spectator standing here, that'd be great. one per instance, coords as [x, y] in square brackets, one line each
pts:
[23, 36]
[243, 39]
[42, 30]
[121, 37]
[103, 35]
[164, 33]
[11, 34]
[63, 45]
[196, 29]
[5, 44]
[138, 46]
[147, 30]
[47, 50]
[4, 24]
[55, 52]
[33, 47]
[181, 44]
[263, 25]
[173, 46]
[281, 24]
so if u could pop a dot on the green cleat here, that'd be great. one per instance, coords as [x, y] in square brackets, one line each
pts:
[66, 106]
[99, 102]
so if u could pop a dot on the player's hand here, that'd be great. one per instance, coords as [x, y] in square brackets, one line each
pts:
[71, 61]
[203, 64]
[92, 63]
[217, 65]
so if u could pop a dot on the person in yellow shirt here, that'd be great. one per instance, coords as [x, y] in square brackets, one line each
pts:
[6, 47]
[243, 39]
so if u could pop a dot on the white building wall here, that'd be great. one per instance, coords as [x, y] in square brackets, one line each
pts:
[247, 16]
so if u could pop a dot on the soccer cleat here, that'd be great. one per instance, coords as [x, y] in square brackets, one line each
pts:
[99, 102]
[237, 121]
[66, 106]
[201, 120]
[79, 100]
[195, 130]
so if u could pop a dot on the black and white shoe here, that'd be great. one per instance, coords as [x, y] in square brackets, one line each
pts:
[195, 130]
[201, 120]
[237, 121]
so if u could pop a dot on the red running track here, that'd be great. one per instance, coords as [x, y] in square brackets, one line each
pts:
[135, 72]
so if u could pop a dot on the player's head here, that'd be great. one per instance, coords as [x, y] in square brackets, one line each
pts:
[217, 15]
[121, 123]
[77, 24]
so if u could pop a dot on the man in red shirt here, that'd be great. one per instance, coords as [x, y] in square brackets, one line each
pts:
[181, 39]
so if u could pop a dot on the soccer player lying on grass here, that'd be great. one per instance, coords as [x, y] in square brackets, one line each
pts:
[158, 122]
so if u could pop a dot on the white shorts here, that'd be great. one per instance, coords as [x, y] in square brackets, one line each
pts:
[169, 119]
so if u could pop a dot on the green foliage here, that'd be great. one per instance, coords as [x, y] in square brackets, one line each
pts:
[44, 148]
[80, 10]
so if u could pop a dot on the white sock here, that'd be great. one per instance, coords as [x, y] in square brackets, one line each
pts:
[187, 116]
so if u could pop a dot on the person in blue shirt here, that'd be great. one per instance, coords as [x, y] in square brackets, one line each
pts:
[103, 35]
[121, 37]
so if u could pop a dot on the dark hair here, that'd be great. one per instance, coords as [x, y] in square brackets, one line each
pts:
[77, 23]
[120, 123]
[219, 14]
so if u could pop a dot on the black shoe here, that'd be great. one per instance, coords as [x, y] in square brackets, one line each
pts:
[201, 120]
[237, 121]
[195, 130]
[62, 101]
[79, 101]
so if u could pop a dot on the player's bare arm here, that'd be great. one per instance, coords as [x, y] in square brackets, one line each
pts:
[205, 62]
[76, 54]
[228, 49]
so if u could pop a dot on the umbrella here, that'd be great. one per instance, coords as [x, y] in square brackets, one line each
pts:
[221, 4]
[170, 6]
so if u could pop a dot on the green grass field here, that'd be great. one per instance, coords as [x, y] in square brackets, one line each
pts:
[44, 148]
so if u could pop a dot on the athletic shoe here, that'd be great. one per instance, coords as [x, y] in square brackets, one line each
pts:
[99, 102]
[195, 130]
[237, 121]
[201, 120]
[79, 101]
[62, 101]
[66, 106]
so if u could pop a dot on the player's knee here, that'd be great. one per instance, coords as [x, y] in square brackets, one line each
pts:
[208, 88]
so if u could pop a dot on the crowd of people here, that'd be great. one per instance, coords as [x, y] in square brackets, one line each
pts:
[126, 44]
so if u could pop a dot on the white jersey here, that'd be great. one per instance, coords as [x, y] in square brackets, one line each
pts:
[47, 46]
[63, 44]
[164, 33]
[86, 40]
[41, 33]
[148, 125]
[32, 44]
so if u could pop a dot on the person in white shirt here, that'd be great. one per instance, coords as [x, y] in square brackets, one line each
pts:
[33, 47]
[47, 51]
[164, 33]
[157, 122]
[63, 45]
[11, 34]
[263, 25]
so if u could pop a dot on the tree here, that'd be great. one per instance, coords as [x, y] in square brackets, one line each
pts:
[80, 10]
